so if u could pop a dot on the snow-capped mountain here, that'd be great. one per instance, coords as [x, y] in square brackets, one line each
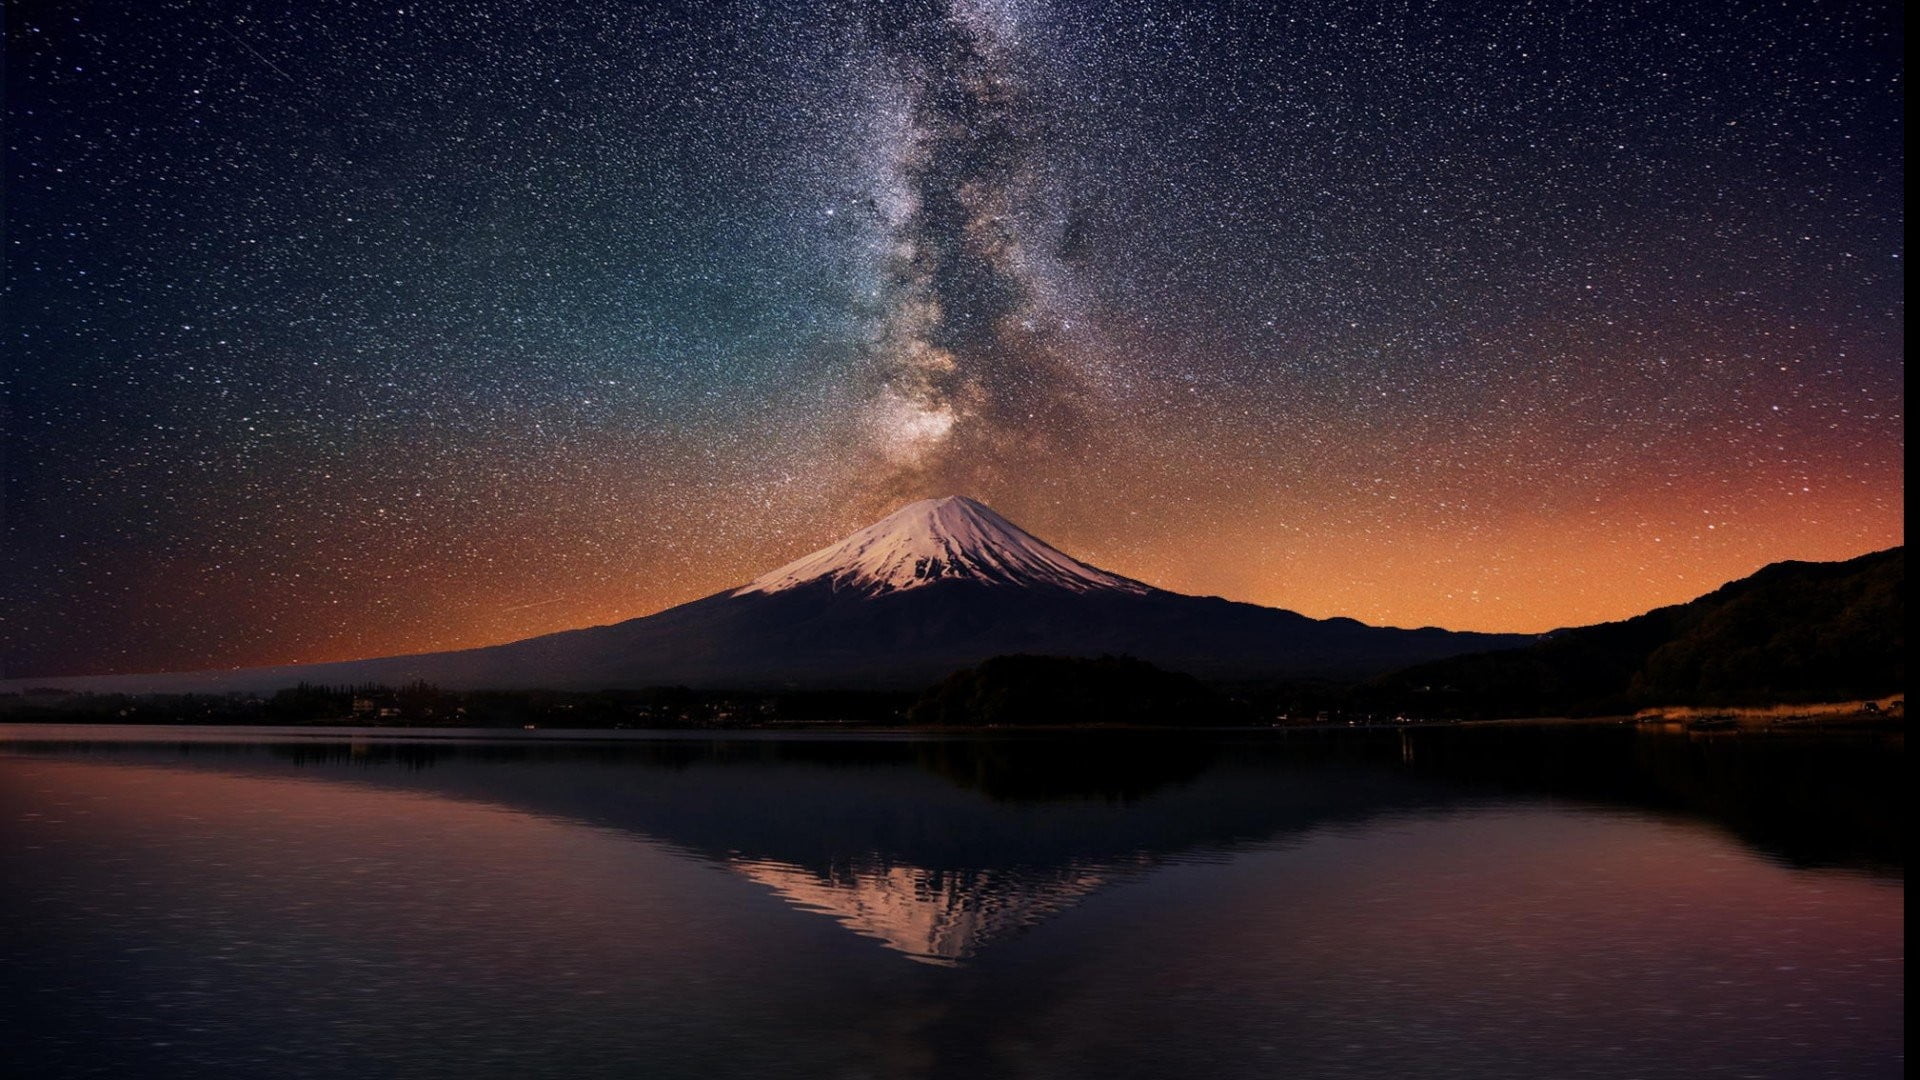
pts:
[936, 586]
[950, 539]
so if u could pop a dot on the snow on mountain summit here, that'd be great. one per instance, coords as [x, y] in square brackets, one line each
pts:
[938, 540]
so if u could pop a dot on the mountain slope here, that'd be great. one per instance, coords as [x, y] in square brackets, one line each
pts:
[1792, 632]
[937, 586]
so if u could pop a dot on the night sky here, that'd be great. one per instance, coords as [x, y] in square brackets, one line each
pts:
[339, 329]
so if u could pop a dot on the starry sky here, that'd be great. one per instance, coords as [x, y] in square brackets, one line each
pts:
[345, 328]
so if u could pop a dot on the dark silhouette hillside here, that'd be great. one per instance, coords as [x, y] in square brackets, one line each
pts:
[1051, 690]
[1792, 632]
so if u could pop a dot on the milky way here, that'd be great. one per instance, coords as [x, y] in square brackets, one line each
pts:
[975, 366]
[348, 328]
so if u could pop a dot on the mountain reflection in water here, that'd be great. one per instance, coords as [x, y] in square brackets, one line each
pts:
[1020, 829]
[1496, 903]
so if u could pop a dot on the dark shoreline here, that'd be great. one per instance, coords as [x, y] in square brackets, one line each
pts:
[37, 729]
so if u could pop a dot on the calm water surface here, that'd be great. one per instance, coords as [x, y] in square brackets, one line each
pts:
[1444, 902]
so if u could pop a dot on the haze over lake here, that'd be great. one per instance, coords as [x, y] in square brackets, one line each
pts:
[1449, 902]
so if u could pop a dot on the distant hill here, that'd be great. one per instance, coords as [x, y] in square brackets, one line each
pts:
[1792, 632]
[1055, 690]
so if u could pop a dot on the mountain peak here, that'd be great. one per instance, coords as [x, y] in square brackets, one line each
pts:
[953, 538]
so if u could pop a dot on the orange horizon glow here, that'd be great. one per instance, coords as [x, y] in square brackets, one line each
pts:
[1540, 572]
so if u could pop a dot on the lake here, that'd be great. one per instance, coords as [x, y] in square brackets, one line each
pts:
[1430, 902]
